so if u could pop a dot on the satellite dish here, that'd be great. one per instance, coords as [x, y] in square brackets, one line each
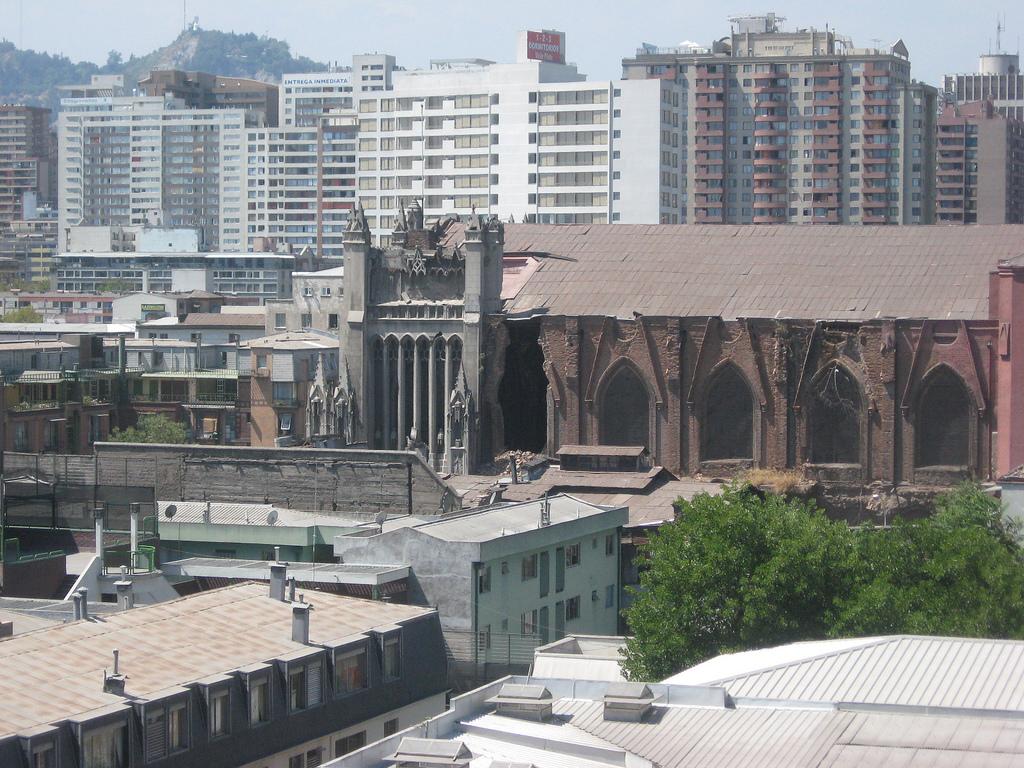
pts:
[272, 517]
[171, 510]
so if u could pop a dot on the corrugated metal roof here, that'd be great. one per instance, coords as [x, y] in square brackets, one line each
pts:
[841, 272]
[908, 670]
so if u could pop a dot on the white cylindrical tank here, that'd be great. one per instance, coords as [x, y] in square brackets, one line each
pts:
[999, 64]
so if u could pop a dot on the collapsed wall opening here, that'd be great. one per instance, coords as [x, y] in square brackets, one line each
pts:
[523, 390]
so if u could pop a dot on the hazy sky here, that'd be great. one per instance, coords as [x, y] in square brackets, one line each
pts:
[942, 36]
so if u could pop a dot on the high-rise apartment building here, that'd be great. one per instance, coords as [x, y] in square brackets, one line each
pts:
[26, 159]
[998, 80]
[136, 160]
[308, 98]
[533, 140]
[301, 185]
[797, 127]
[979, 166]
[201, 90]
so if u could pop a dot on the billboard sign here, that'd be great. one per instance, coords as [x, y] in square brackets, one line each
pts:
[545, 46]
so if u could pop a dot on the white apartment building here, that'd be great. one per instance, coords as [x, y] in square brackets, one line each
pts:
[130, 160]
[309, 97]
[526, 141]
[261, 275]
[300, 185]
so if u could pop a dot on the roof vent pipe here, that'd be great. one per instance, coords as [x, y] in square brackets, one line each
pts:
[300, 622]
[83, 594]
[278, 575]
[545, 512]
[76, 600]
[291, 589]
[125, 594]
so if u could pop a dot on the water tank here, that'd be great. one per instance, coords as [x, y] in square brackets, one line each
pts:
[999, 64]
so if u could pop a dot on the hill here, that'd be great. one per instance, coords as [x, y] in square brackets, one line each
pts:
[29, 77]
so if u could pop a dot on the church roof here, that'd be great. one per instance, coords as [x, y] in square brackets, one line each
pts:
[847, 272]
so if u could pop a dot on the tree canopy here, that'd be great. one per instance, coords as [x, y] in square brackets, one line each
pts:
[151, 428]
[742, 570]
[22, 315]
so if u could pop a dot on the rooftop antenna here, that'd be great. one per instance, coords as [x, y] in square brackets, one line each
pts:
[1000, 27]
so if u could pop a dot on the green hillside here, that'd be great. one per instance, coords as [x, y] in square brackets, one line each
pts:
[29, 77]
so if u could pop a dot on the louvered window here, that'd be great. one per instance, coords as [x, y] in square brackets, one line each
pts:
[156, 733]
[314, 687]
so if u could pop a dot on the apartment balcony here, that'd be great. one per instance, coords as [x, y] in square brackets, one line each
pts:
[765, 131]
[704, 100]
[832, 101]
[833, 143]
[827, 71]
[764, 173]
[769, 218]
[702, 88]
[705, 131]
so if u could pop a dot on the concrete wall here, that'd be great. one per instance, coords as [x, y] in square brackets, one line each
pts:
[32, 578]
[326, 480]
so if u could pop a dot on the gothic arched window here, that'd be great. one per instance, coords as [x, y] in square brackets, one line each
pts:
[835, 418]
[943, 422]
[728, 428]
[625, 410]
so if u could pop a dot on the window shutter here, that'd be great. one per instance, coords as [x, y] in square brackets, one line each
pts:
[314, 684]
[156, 735]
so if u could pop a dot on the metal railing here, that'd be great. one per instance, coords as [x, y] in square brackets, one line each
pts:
[490, 647]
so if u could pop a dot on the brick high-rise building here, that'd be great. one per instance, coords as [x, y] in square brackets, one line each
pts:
[798, 127]
[201, 90]
[979, 166]
[26, 158]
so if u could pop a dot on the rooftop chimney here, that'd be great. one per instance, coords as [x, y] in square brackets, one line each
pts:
[627, 702]
[76, 600]
[277, 554]
[291, 589]
[278, 574]
[300, 622]
[114, 683]
[83, 595]
[545, 512]
[125, 594]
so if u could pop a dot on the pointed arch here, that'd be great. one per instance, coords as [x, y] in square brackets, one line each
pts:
[834, 434]
[624, 407]
[727, 429]
[943, 420]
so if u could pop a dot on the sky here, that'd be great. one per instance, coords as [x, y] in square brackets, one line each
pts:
[942, 36]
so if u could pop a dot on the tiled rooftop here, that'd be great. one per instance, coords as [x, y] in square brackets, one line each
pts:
[56, 673]
[842, 272]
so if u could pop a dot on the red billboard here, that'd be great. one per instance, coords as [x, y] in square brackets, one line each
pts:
[545, 46]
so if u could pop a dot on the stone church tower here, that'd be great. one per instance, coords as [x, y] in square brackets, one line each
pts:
[411, 333]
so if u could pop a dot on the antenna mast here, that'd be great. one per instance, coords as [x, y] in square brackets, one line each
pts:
[1000, 27]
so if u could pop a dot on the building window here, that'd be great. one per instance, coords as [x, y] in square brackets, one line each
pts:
[304, 690]
[259, 701]
[943, 422]
[297, 761]
[390, 727]
[105, 747]
[332, 321]
[572, 608]
[609, 544]
[625, 409]
[392, 657]
[307, 321]
[484, 580]
[349, 743]
[528, 622]
[572, 555]
[530, 567]
[279, 321]
[234, 338]
[220, 713]
[284, 426]
[44, 756]
[314, 757]
[284, 391]
[609, 596]
[835, 418]
[350, 671]
[177, 727]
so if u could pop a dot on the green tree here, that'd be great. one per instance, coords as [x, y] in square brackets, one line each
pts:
[117, 285]
[152, 428]
[22, 315]
[741, 571]
[734, 571]
[959, 572]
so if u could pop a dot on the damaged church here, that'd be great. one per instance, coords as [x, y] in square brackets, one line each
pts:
[857, 355]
